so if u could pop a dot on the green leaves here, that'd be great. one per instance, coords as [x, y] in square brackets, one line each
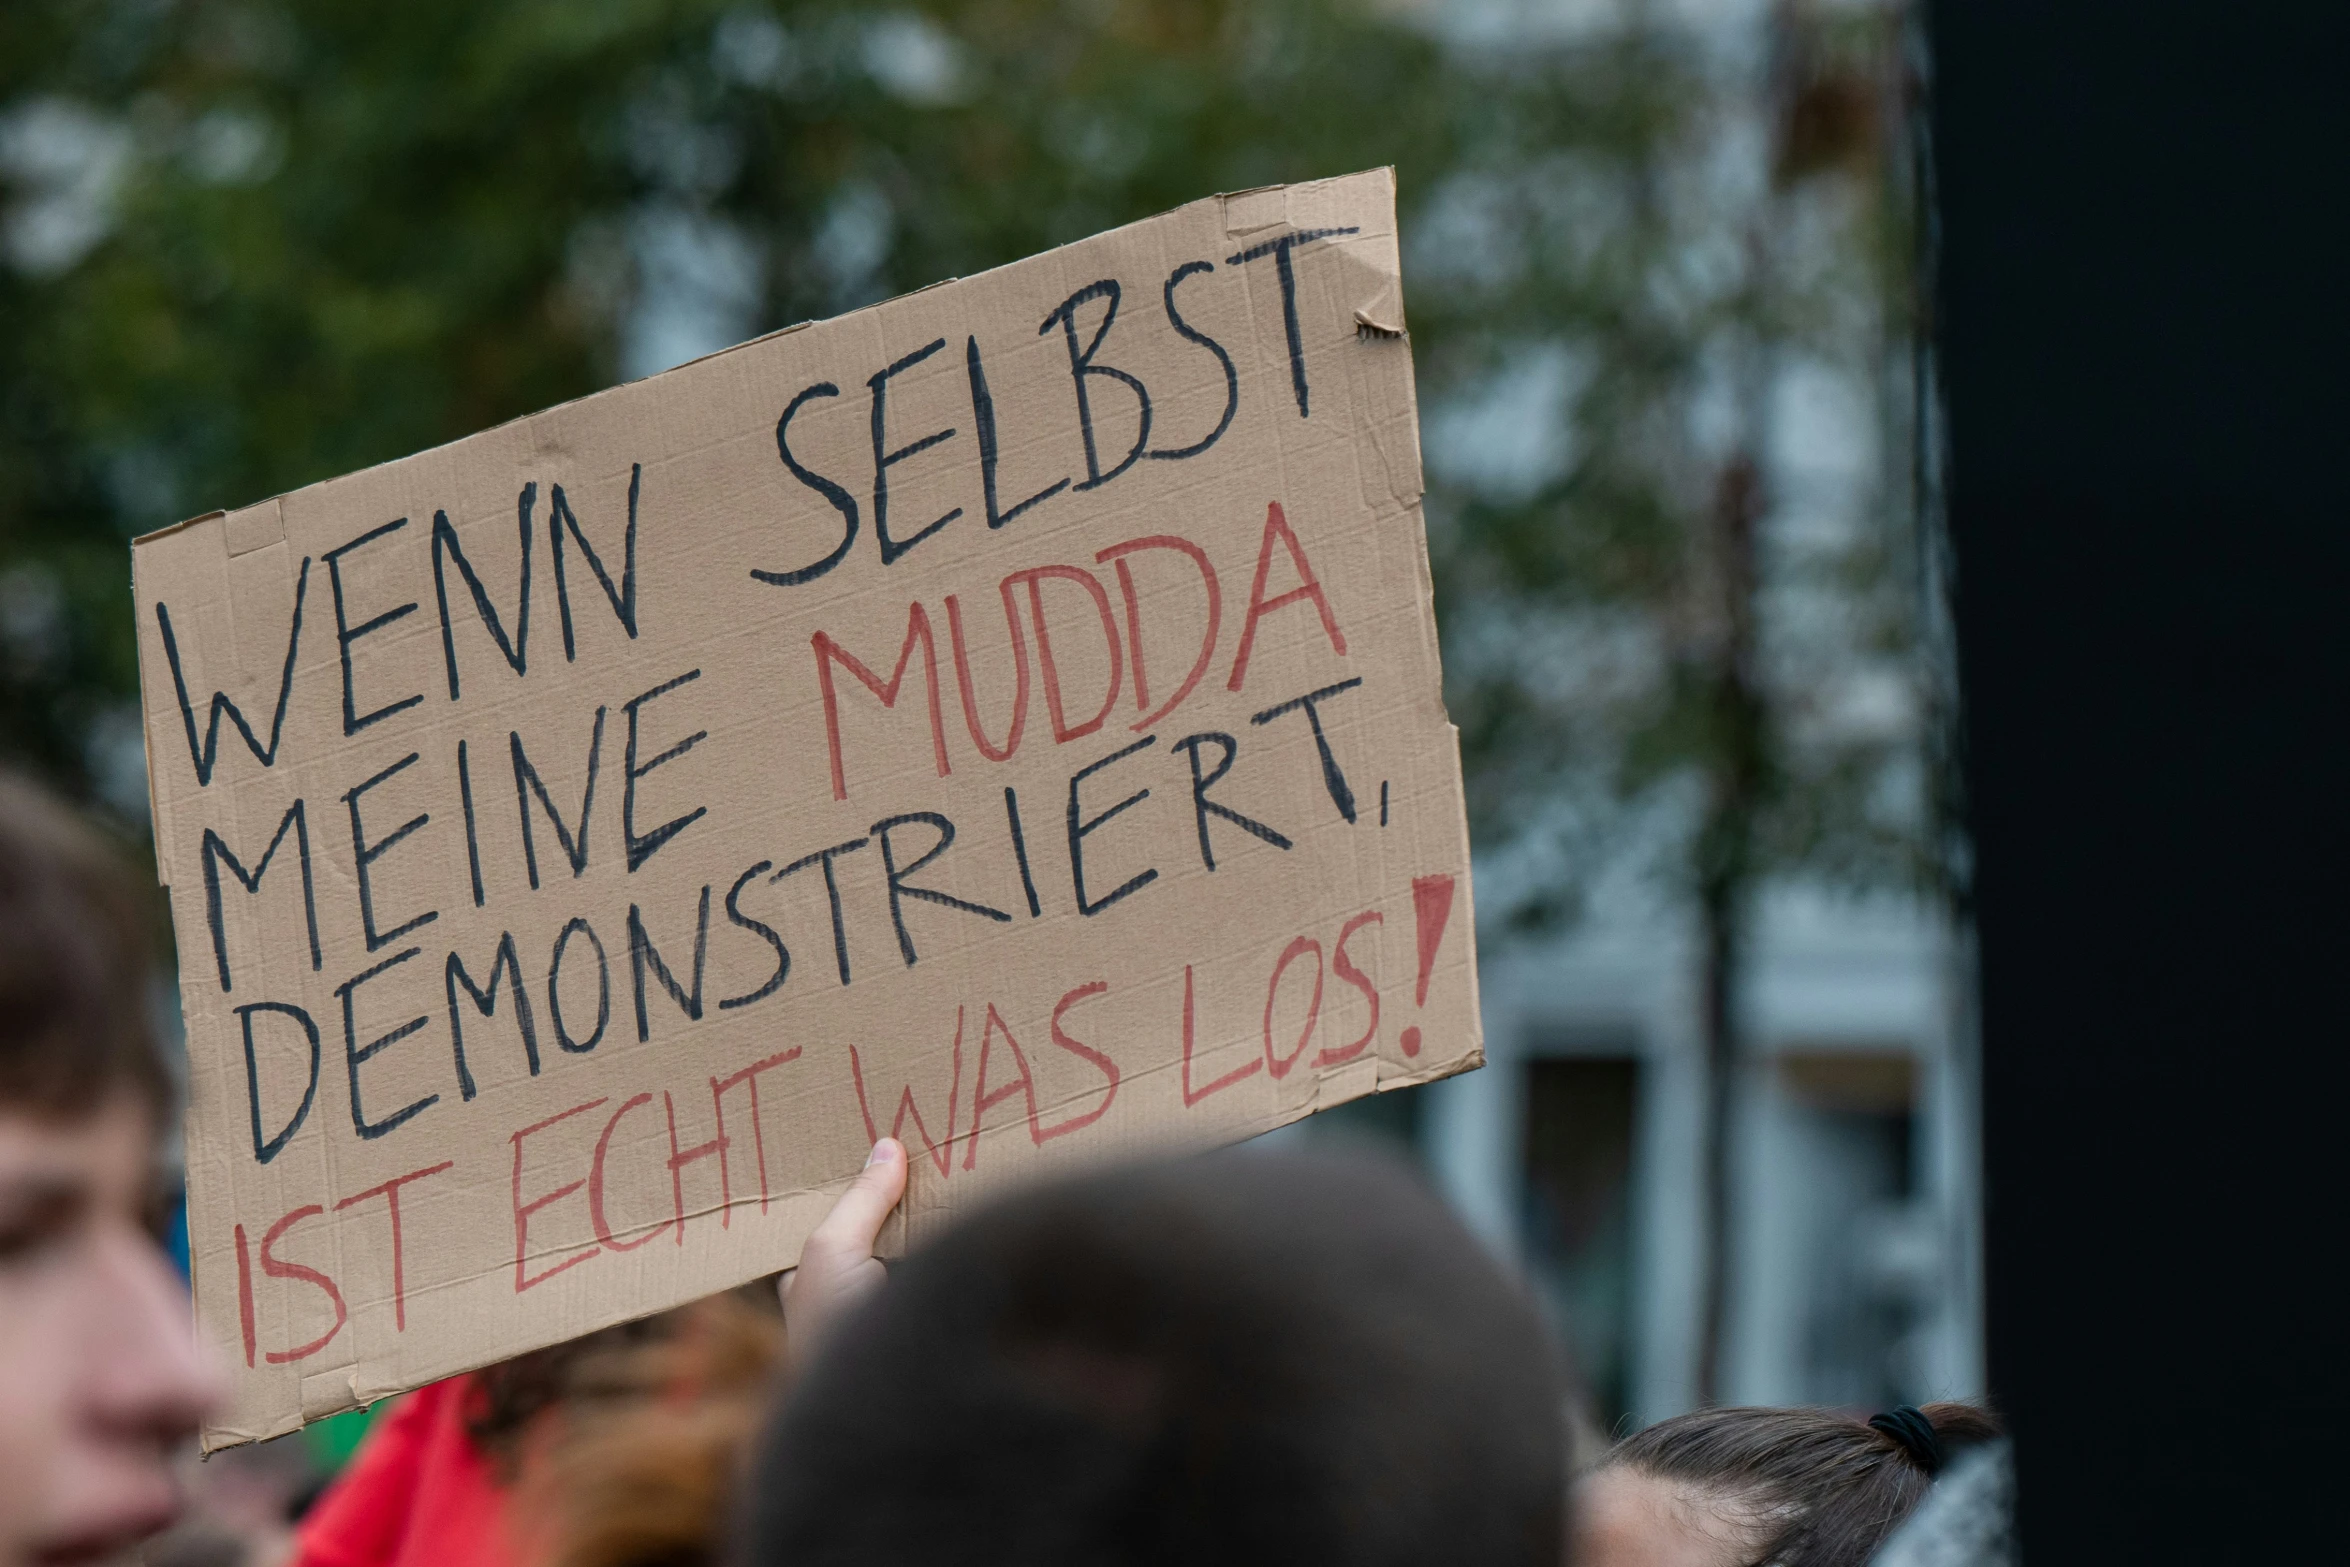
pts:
[340, 233]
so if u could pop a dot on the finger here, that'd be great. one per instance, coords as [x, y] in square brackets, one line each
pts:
[856, 1219]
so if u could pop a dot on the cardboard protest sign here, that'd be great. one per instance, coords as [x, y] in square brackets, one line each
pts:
[1007, 717]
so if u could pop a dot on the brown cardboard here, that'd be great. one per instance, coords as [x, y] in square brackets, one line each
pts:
[1247, 580]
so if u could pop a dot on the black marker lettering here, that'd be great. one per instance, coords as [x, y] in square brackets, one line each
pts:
[622, 598]
[899, 890]
[1080, 828]
[504, 965]
[216, 853]
[364, 855]
[355, 1054]
[643, 955]
[346, 634]
[266, 1149]
[526, 783]
[1020, 852]
[839, 499]
[1332, 779]
[1190, 333]
[563, 1039]
[1082, 367]
[206, 754]
[641, 849]
[825, 857]
[884, 459]
[472, 837]
[1202, 807]
[446, 547]
[764, 932]
[983, 415]
[1279, 250]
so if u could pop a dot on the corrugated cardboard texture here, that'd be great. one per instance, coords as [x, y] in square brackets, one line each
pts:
[1007, 717]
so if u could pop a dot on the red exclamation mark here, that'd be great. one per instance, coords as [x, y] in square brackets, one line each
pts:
[1431, 910]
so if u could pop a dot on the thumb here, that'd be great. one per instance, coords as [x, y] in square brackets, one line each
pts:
[855, 1221]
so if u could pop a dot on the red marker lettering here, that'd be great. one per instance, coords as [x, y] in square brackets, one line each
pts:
[679, 1158]
[749, 1078]
[389, 1191]
[1101, 1063]
[522, 1210]
[1344, 968]
[1309, 587]
[941, 1154]
[277, 1268]
[1281, 1065]
[1035, 577]
[1254, 1065]
[1207, 644]
[1012, 730]
[595, 1188]
[829, 653]
[982, 1101]
[245, 1293]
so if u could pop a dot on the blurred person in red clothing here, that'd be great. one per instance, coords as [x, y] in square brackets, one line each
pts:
[101, 1379]
[613, 1449]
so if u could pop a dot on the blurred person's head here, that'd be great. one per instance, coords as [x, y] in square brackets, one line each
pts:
[100, 1376]
[1241, 1359]
[633, 1462]
[1787, 1487]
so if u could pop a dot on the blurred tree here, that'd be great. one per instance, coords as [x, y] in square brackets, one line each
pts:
[64, 647]
[254, 244]
[1659, 648]
[249, 244]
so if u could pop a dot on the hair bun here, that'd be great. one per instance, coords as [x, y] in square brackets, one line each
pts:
[1908, 1426]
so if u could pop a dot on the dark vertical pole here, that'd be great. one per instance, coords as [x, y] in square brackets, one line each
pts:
[1736, 782]
[2145, 316]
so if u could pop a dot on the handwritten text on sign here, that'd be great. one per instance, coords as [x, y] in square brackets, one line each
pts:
[1006, 718]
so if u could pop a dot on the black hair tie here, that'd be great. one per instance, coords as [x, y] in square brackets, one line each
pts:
[1909, 1426]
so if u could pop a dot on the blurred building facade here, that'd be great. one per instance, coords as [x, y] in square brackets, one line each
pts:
[1855, 1202]
[1856, 1212]
[1854, 1220]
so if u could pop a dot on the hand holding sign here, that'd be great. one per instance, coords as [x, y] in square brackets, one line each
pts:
[837, 1265]
[1005, 720]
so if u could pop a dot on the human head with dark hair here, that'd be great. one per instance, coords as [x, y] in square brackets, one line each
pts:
[100, 1377]
[1239, 1359]
[77, 967]
[1767, 1487]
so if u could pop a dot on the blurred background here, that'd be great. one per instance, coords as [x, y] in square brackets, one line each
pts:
[1668, 305]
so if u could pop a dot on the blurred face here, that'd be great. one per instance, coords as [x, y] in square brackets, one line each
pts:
[1624, 1518]
[100, 1377]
